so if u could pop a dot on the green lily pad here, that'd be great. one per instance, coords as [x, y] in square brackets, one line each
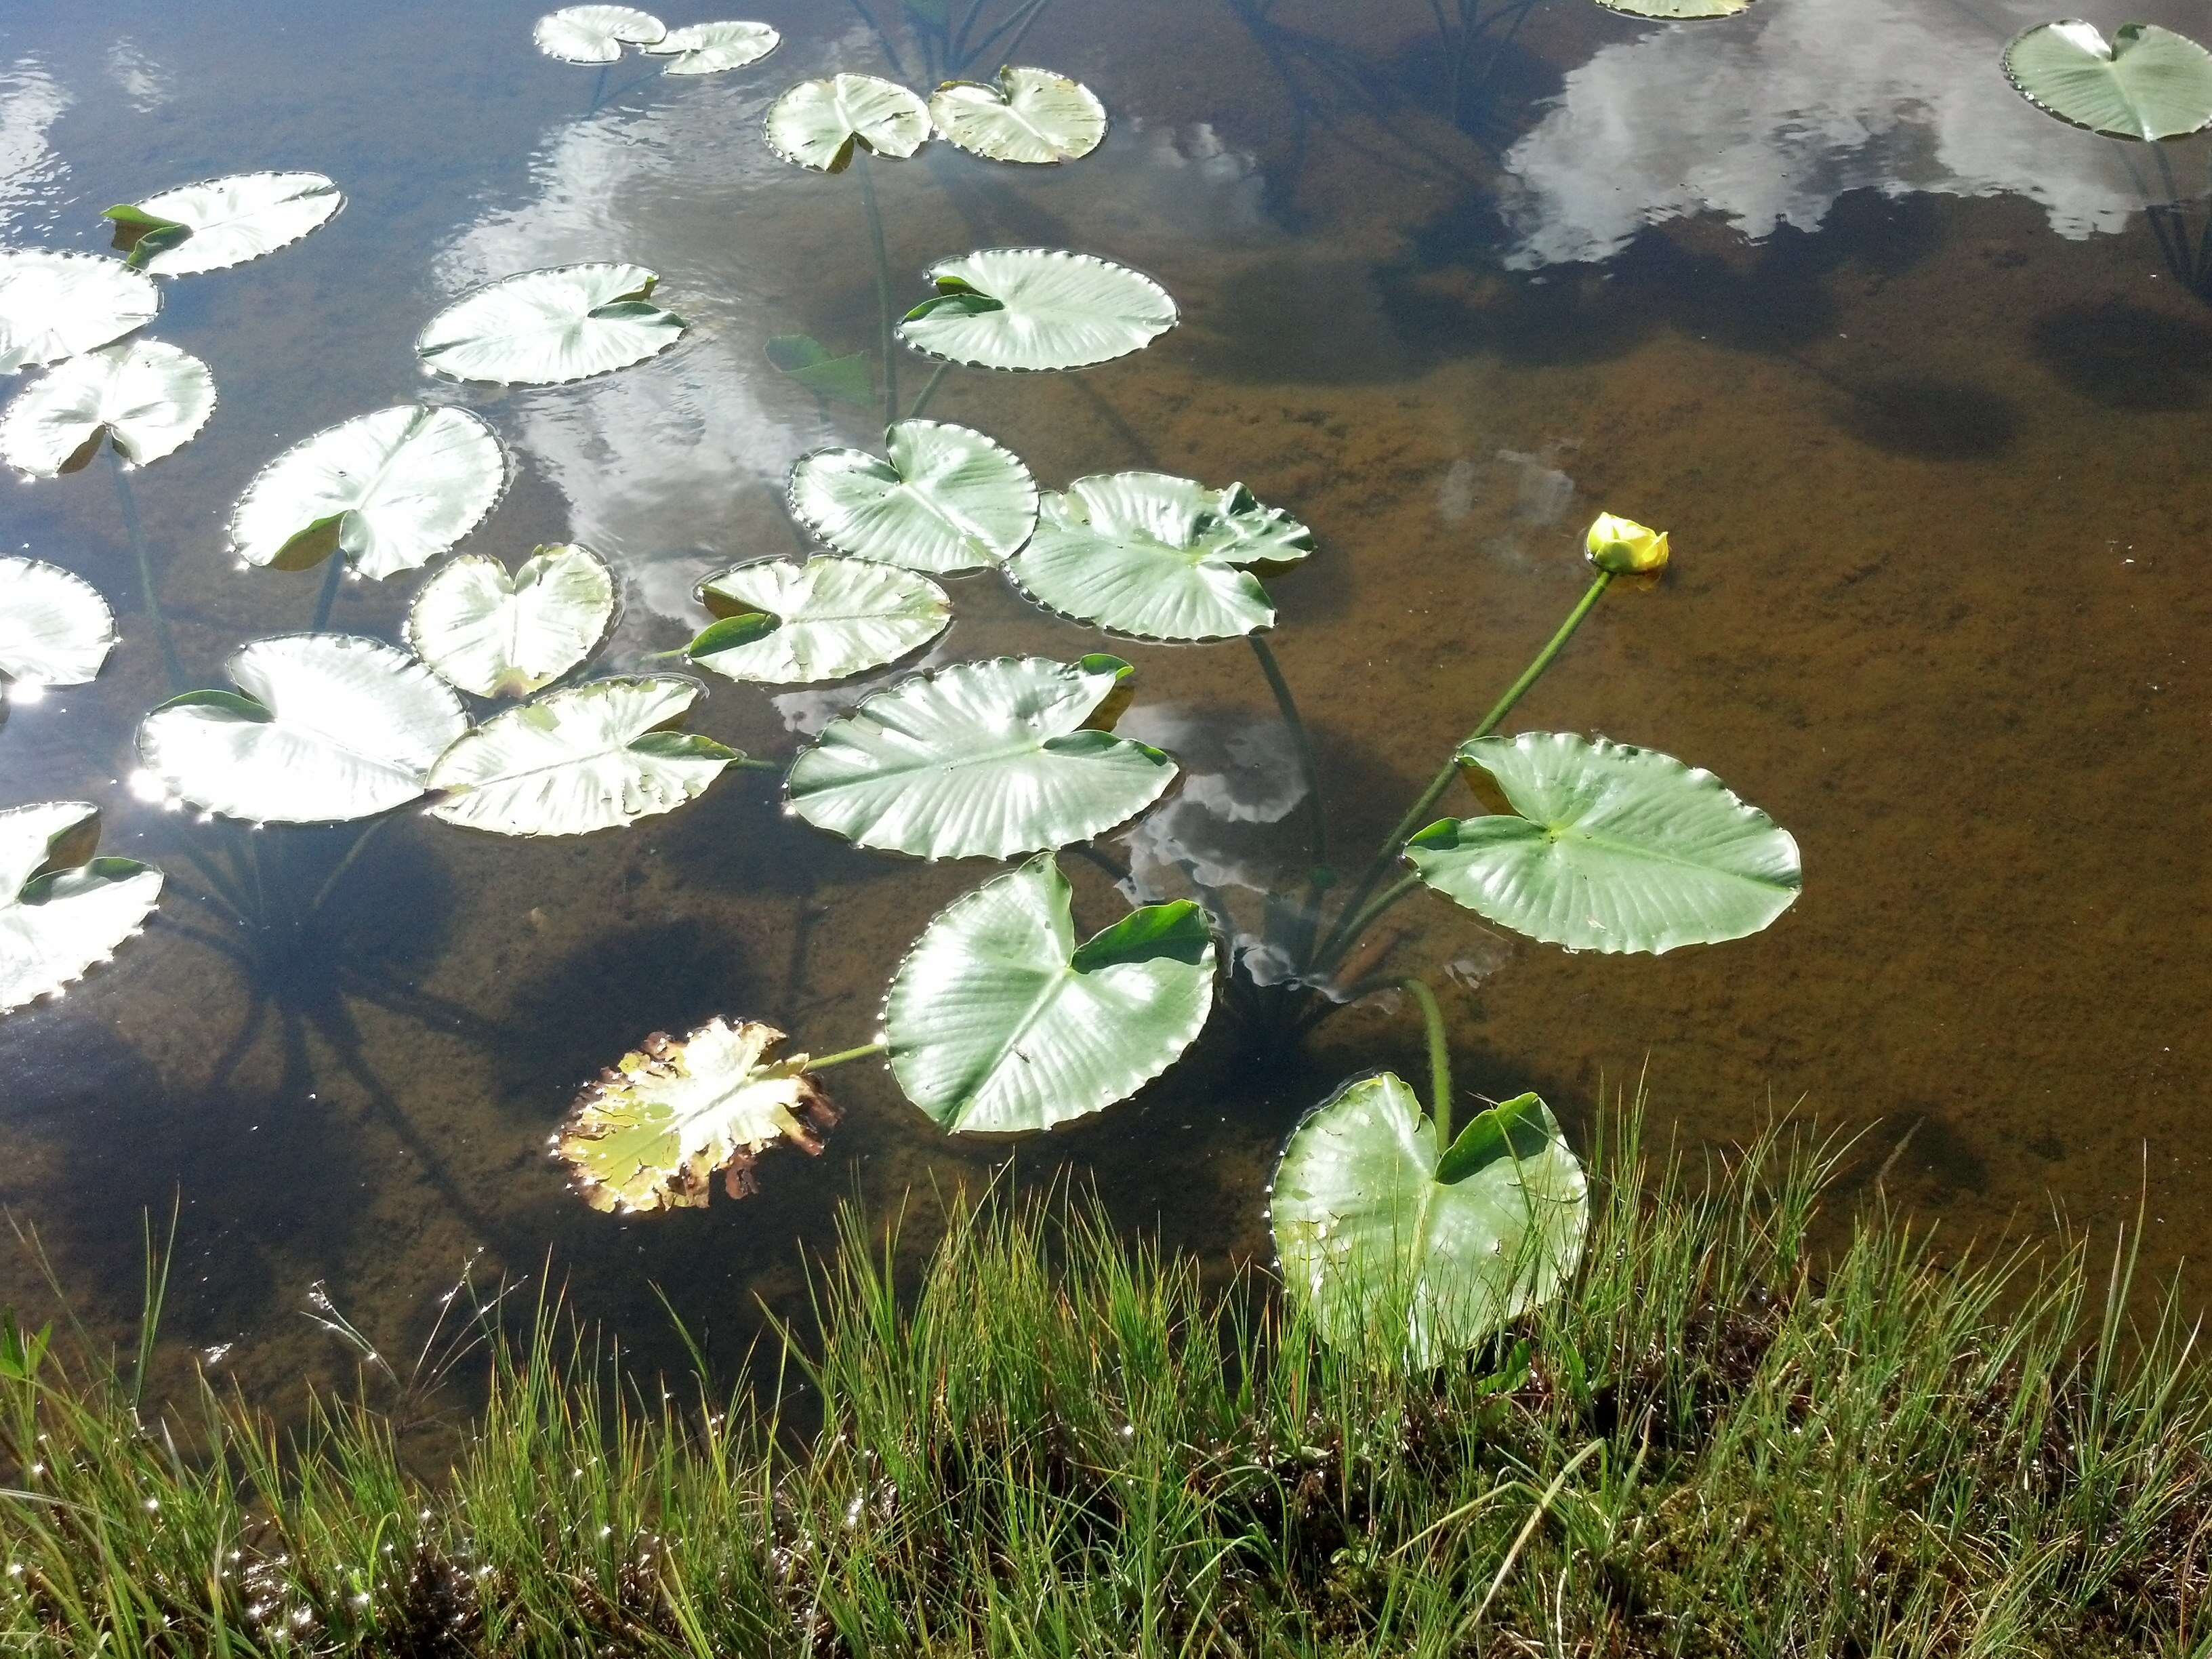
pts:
[1392, 1258]
[999, 1022]
[594, 35]
[2147, 83]
[710, 48]
[1669, 11]
[786, 623]
[585, 757]
[55, 629]
[499, 635]
[820, 123]
[550, 327]
[62, 911]
[146, 398]
[979, 759]
[1159, 558]
[1025, 115]
[1615, 848]
[55, 305]
[330, 728]
[390, 490]
[1037, 308]
[947, 499]
[221, 222]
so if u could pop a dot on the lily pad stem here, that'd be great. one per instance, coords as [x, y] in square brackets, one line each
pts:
[359, 844]
[882, 288]
[747, 763]
[328, 599]
[838, 1059]
[2188, 272]
[1440, 1090]
[128, 505]
[1316, 810]
[1019, 22]
[928, 390]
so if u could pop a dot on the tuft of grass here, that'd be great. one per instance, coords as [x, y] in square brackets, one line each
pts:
[1062, 1443]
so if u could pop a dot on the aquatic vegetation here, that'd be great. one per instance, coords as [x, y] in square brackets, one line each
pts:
[1029, 115]
[61, 910]
[594, 35]
[148, 399]
[824, 123]
[1037, 308]
[549, 327]
[941, 499]
[55, 628]
[787, 623]
[219, 222]
[54, 305]
[1667, 11]
[493, 634]
[847, 379]
[710, 48]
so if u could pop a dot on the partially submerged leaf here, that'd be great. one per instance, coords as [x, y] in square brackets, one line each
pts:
[850, 379]
[332, 728]
[1667, 11]
[2147, 83]
[55, 305]
[147, 397]
[819, 123]
[63, 911]
[1037, 308]
[219, 222]
[55, 628]
[827, 619]
[1615, 848]
[979, 760]
[499, 635]
[549, 327]
[947, 500]
[594, 35]
[710, 48]
[1025, 115]
[390, 489]
[999, 1022]
[585, 757]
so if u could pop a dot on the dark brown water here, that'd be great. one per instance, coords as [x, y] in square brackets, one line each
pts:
[1892, 354]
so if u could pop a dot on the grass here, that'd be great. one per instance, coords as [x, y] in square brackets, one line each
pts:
[1059, 1443]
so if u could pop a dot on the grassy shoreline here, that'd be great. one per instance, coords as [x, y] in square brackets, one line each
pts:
[1060, 1443]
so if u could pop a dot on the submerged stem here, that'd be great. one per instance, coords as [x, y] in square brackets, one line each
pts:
[928, 390]
[1317, 810]
[327, 601]
[128, 505]
[359, 844]
[844, 1054]
[883, 287]
[1440, 1092]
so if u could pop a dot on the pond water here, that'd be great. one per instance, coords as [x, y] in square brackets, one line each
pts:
[1892, 356]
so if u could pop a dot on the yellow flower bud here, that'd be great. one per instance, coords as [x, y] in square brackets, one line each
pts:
[1627, 548]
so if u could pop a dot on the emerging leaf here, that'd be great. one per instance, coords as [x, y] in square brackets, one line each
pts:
[147, 397]
[2148, 84]
[63, 911]
[55, 628]
[55, 305]
[850, 379]
[221, 222]
[819, 123]
[710, 48]
[947, 499]
[549, 327]
[594, 35]
[826, 619]
[1037, 308]
[1026, 115]
[498, 636]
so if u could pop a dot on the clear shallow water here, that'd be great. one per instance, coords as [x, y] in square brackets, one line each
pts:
[1890, 353]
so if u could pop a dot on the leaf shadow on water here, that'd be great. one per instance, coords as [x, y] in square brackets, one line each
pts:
[2125, 355]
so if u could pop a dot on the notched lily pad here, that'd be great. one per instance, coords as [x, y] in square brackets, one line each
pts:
[1025, 115]
[594, 35]
[2146, 83]
[219, 222]
[550, 327]
[820, 123]
[146, 398]
[785, 623]
[1037, 308]
[55, 305]
[1669, 11]
[63, 912]
[710, 48]
[55, 628]
[945, 499]
[497, 635]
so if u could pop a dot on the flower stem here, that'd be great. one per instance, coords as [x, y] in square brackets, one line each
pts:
[843, 1054]
[882, 288]
[1440, 1088]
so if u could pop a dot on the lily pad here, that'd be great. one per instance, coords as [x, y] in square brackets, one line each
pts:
[651, 1131]
[549, 327]
[595, 34]
[219, 222]
[1390, 1256]
[2147, 83]
[147, 397]
[1037, 308]
[55, 305]
[1156, 556]
[850, 379]
[1025, 115]
[1668, 11]
[1615, 848]
[947, 500]
[390, 490]
[55, 629]
[584, 758]
[979, 760]
[787, 623]
[819, 123]
[499, 635]
[330, 728]
[997, 1021]
[710, 48]
[62, 911]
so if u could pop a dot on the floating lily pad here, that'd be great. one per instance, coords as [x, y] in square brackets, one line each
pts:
[584, 758]
[390, 490]
[55, 629]
[2146, 83]
[819, 123]
[1037, 308]
[1392, 1257]
[786, 623]
[595, 34]
[1668, 11]
[999, 1021]
[62, 911]
[1025, 115]
[1614, 848]
[55, 305]
[499, 635]
[549, 327]
[653, 1131]
[221, 222]
[330, 727]
[147, 397]
[710, 48]
[947, 499]
[979, 760]
[1156, 556]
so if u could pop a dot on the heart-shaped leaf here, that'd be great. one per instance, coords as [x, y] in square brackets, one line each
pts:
[1025, 115]
[219, 222]
[584, 758]
[330, 728]
[390, 489]
[1615, 848]
[147, 397]
[1392, 1259]
[55, 629]
[2147, 83]
[549, 327]
[594, 35]
[1156, 556]
[499, 635]
[819, 123]
[850, 379]
[979, 759]
[710, 48]
[55, 305]
[947, 500]
[63, 911]
[999, 1022]
[1037, 308]
[823, 620]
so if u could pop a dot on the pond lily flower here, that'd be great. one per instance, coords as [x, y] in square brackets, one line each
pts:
[1623, 547]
